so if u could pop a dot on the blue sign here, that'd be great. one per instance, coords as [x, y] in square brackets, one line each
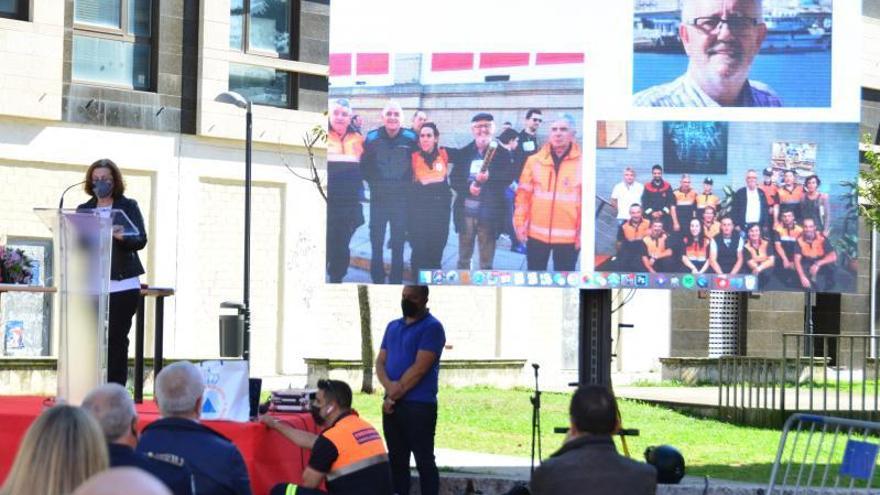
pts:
[859, 459]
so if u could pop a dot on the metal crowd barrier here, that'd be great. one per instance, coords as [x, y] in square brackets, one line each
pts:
[819, 454]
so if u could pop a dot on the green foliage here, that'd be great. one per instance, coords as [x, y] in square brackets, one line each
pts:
[847, 243]
[868, 187]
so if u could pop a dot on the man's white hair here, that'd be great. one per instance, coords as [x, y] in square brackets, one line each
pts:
[111, 405]
[568, 119]
[178, 387]
[687, 8]
[391, 104]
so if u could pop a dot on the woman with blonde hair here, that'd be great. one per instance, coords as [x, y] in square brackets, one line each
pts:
[61, 449]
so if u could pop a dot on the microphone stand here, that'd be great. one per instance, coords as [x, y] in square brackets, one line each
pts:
[536, 420]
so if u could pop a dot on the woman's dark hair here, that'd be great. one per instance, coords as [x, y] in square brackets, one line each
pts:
[700, 238]
[433, 126]
[814, 176]
[118, 181]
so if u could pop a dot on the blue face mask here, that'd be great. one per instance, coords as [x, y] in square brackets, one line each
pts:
[102, 188]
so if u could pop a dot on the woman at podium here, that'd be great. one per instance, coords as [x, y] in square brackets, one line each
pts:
[105, 185]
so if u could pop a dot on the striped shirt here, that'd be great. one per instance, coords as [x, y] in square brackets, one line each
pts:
[684, 92]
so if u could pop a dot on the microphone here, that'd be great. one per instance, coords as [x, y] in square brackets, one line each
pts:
[61, 201]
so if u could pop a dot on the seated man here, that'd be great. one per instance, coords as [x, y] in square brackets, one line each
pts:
[349, 453]
[629, 240]
[217, 464]
[785, 239]
[658, 254]
[726, 255]
[814, 259]
[588, 459]
[111, 405]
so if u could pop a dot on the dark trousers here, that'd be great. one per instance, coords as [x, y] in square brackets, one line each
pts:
[342, 221]
[387, 209]
[538, 253]
[428, 234]
[123, 306]
[410, 429]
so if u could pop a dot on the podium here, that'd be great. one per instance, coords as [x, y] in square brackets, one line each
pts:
[83, 241]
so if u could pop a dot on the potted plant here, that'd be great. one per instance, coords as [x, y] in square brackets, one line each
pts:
[15, 266]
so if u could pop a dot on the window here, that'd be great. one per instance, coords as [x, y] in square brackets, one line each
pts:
[112, 42]
[14, 9]
[263, 27]
[261, 85]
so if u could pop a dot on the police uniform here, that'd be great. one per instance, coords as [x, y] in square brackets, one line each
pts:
[352, 455]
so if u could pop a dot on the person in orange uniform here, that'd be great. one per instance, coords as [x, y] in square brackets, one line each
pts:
[629, 240]
[696, 248]
[547, 214]
[790, 196]
[707, 198]
[344, 211]
[657, 254]
[349, 454]
[757, 254]
[430, 201]
[771, 191]
[685, 203]
[785, 239]
[814, 259]
[711, 227]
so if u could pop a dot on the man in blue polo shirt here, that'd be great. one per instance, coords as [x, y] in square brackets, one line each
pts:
[408, 366]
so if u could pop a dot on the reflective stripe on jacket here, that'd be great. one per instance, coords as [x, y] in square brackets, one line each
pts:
[359, 446]
[548, 200]
[347, 148]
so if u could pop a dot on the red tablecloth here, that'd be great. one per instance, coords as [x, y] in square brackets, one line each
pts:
[270, 457]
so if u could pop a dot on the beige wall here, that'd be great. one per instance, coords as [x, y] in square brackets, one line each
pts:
[31, 55]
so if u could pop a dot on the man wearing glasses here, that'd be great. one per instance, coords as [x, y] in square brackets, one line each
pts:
[721, 39]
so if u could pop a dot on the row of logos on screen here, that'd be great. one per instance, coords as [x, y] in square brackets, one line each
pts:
[603, 280]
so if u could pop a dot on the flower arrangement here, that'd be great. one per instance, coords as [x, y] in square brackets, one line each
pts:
[15, 266]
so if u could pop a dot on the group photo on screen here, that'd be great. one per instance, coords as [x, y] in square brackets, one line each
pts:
[774, 200]
[473, 163]
[738, 53]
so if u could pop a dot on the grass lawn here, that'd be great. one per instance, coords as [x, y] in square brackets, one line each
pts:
[499, 422]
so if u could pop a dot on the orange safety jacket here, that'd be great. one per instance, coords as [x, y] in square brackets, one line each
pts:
[656, 247]
[696, 252]
[548, 200]
[792, 197]
[434, 173]
[759, 253]
[685, 204]
[711, 231]
[771, 192]
[358, 443]
[347, 148]
[635, 232]
[784, 234]
[704, 200]
[812, 250]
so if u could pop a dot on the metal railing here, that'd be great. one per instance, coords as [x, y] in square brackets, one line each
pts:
[814, 373]
[825, 455]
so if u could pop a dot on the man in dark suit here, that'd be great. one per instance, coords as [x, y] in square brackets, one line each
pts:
[588, 462]
[111, 405]
[217, 465]
[750, 204]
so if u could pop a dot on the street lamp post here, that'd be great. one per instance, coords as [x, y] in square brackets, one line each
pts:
[240, 101]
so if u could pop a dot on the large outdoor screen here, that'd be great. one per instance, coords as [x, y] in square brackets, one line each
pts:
[664, 144]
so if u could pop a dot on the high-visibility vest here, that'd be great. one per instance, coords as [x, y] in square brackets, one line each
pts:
[433, 173]
[635, 232]
[712, 230]
[790, 198]
[788, 235]
[704, 200]
[813, 250]
[655, 247]
[548, 202]
[359, 446]
[346, 148]
[685, 204]
[696, 251]
[758, 253]
[771, 192]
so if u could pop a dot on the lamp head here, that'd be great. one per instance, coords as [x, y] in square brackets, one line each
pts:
[233, 98]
